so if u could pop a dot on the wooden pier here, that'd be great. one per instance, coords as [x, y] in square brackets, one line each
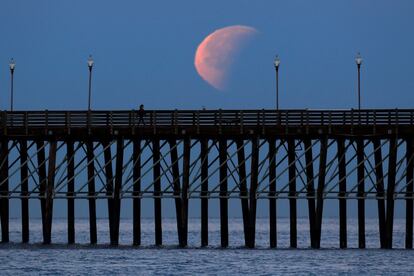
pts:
[349, 156]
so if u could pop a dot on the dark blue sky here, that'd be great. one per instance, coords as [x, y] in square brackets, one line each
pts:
[144, 52]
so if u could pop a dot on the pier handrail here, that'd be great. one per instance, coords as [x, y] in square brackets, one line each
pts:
[262, 117]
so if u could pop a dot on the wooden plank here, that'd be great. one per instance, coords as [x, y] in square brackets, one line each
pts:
[71, 190]
[223, 194]
[4, 190]
[320, 190]
[24, 174]
[177, 188]
[41, 165]
[310, 188]
[157, 191]
[342, 193]
[392, 169]
[409, 195]
[91, 192]
[253, 189]
[292, 193]
[184, 195]
[380, 191]
[272, 194]
[47, 238]
[361, 192]
[243, 189]
[204, 191]
[136, 201]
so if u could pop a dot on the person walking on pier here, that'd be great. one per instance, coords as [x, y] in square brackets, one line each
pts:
[141, 114]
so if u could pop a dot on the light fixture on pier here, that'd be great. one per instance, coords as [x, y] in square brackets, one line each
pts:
[12, 66]
[90, 66]
[277, 64]
[358, 61]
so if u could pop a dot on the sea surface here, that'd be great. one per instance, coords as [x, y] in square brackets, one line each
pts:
[83, 259]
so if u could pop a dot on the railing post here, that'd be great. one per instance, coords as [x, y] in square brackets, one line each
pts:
[26, 123]
[241, 121]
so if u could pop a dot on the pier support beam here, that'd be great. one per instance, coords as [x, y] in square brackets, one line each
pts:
[4, 190]
[91, 192]
[310, 188]
[71, 190]
[41, 165]
[409, 195]
[320, 190]
[136, 201]
[223, 194]
[380, 191]
[118, 187]
[272, 194]
[157, 191]
[253, 188]
[47, 232]
[292, 192]
[184, 193]
[342, 194]
[361, 192]
[204, 191]
[110, 190]
[392, 168]
[24, 179]
[243, 189]
[177, 188]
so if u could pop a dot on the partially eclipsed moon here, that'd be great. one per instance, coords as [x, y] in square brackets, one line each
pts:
[216, 53]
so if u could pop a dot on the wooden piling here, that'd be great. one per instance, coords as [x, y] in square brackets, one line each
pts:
[110, 192]
[204, 191]
[136, 201]
[184, 193]
[292, 192]
[320, 190]
[253, 188]
[91, 192]
[310, 188]
[24, 174]
[118, 187]
[392, 168]
[361, 192]
[50, 185]
[4, 190]
[243, 189]
[223, 193]
[380, 191]
[157, 191]
[177, 189]
[343, 243]
[71, 191]
[41, 165]
[409, 195]
[272, 194]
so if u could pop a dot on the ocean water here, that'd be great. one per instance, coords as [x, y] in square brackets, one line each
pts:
[83, 259]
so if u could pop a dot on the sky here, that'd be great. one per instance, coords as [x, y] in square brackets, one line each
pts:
[144, 53]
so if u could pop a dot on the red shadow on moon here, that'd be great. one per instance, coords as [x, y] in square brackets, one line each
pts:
[216, 53]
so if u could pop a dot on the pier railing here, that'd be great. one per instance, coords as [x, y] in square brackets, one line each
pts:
[80, 119]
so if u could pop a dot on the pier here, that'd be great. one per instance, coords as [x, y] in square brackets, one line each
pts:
[349, 156]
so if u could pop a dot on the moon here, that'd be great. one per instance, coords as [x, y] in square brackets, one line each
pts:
[217, 52]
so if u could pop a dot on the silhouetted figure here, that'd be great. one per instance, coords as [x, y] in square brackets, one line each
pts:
[141, 114]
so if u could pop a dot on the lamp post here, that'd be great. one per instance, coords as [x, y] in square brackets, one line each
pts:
[358, 61]
[12, 66]
[277, 64]
[90, 66]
